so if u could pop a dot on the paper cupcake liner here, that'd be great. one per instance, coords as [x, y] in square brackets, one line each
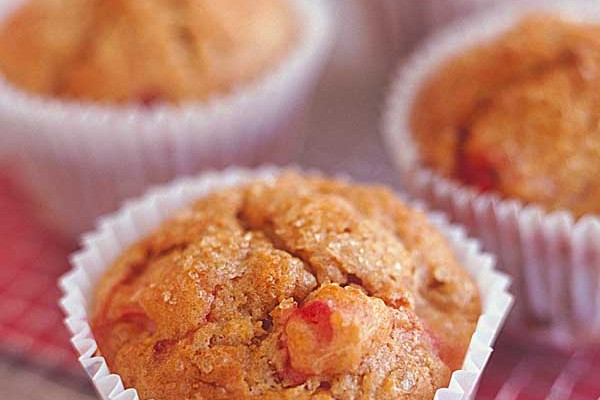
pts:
[79, 160]
[138, 218]
[553, 258]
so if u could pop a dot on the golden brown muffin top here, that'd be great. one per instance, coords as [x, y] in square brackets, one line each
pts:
[519, 115]
[297, 287]
[142, 50]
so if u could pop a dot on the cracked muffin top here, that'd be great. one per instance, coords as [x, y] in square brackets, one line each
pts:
[298, 287]
[142, 50]
[519, 115]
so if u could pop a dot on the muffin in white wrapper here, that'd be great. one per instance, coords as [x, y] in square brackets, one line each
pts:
[553, 257]
[117, 232]
[79, 160]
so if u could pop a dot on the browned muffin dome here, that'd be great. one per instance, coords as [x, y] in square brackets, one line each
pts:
[142, 50]
[519, 115]
[294, 288]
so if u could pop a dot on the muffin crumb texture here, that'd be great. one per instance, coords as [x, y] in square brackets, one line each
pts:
[519, 115]
[142, 51]
[297, 287]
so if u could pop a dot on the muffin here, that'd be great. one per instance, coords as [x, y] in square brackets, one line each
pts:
[142, 51]
[172, 87]
[493, 121]
[523, 120]
[292, 287]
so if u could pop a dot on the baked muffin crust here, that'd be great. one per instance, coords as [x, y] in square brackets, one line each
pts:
[519, 115]
[298, 287]
[142, 50]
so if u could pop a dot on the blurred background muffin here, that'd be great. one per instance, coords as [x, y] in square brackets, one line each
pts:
[227, 83]
[495, 121]
[141, 51]
[523, 120]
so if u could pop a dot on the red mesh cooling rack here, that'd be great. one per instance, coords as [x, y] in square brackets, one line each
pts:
[31, 260]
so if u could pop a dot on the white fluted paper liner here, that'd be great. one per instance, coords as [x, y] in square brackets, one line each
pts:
[553, 258]
[79, 160]
[138, 218]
